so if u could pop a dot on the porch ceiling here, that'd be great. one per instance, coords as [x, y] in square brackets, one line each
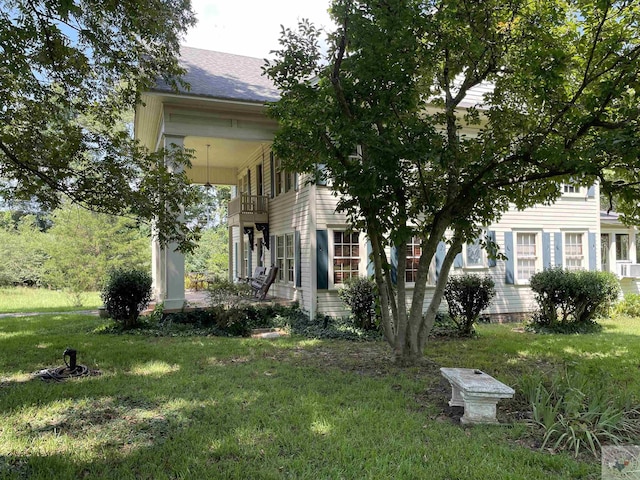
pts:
[223, 152]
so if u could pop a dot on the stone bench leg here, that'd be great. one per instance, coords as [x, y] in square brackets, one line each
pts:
[456, 397]
[479, 409]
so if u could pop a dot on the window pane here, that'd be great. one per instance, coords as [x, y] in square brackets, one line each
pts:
[346, 256]
[474, 254]
[573, 251]
[526, 254]
[622, 246]
[413, 257]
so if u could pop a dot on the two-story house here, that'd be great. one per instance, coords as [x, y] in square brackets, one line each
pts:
[278, 218]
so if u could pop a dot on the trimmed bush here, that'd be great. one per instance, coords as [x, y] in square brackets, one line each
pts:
[359, 294]
[126, 294]
[224, 292]
[467, 296]
[572, 297]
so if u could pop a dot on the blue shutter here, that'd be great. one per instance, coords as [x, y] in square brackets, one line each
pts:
[371, 268]
[394, 265]
[457, 261]
[273, 175]
[591, 193]
[272, 250]
[249, 271]
[546, 250]
[557, 239]
[592, 251]
[295, 181]
[441, 251]
[249, 181]
[509, 272]
[492, 237]
[298, 258]
[322, 259]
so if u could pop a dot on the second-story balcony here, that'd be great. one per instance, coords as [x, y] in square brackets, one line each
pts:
[248, 209]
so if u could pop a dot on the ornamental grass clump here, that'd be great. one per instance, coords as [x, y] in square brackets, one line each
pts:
[126, 294]
[580, 413]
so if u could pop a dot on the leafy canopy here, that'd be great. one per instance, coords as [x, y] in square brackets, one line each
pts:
[71, 73]
[432, 118]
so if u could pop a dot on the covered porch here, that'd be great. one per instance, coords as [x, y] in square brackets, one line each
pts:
[221, 121]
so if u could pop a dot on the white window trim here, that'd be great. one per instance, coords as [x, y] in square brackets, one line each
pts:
[538, 261]
[283, 274]
[578, 193]
[362, 266]
[583, 233]
[483, 252]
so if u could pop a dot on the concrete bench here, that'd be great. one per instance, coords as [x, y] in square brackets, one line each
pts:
[477, 392]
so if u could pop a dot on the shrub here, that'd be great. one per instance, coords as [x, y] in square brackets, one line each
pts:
[572, 297]
[467, 296]
[629, 306]
[359, 294]
[578, 412]
[224, 292]
[126, 293]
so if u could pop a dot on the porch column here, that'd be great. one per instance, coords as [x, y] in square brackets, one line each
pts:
[168, 261]
[240, 272]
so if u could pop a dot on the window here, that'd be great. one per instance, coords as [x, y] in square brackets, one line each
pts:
[284, 181]
[474, 256]
[569, 189]
[280, 256]
[526, 255]
[288, 256]
[414, 250]
[346, 256]
[260, 246]
[573, 251]
[285, 258]
[622, 246]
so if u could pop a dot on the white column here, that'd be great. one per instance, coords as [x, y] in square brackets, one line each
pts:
[157, 268]
[171, 260]
[231, 254]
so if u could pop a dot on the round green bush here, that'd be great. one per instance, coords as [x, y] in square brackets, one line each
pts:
[126, 294]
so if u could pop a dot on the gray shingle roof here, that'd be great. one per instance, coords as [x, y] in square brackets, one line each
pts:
[224, 75]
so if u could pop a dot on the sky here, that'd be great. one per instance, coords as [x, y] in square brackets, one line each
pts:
[250, 27]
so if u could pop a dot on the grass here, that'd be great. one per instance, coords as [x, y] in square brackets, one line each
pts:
[23, 299]
[207, 407]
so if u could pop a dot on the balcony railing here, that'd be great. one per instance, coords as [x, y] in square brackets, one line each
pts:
[628, 270]
[245, 204]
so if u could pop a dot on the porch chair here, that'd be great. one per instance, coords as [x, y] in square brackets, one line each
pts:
[261, 285]
[257, 273]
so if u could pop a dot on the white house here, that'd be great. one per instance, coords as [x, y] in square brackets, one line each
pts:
[276, 218]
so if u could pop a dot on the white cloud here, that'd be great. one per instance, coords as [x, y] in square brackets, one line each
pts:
[250, 27]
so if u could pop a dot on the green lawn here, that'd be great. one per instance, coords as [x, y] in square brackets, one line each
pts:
[206, 407]
[23, 299]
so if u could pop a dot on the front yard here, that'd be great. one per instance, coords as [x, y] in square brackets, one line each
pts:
[207, 407]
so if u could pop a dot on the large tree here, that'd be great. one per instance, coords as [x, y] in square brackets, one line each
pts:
[385, 112]
[71, 71]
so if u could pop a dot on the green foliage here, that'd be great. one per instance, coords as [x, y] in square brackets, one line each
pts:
[325, 327]
[23, 253]
[561, 104]
[212, 253]
[467, 296]
[223, 291]
[571, 300]
[236, 321]
[76, 72]
[83, 246]
[630, 305]
[126, 294]
[578, 412]
[359, 294]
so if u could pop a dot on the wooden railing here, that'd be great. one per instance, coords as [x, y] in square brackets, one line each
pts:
[249, 204]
